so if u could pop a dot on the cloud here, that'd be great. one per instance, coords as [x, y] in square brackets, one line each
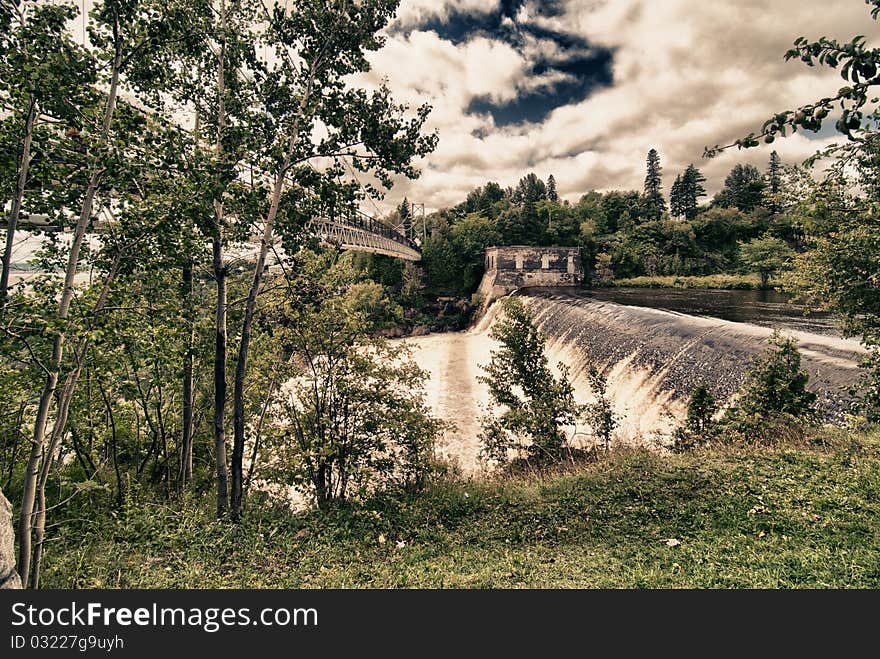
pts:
[681, 75]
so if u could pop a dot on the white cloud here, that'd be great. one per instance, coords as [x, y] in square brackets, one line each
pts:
[687, 74]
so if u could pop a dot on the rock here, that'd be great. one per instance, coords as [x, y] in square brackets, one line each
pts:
[8, 576]
[420, 330]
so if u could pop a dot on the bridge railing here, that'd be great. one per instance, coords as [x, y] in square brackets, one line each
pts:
[353, 217]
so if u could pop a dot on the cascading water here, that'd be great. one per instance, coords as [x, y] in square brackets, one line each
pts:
[653, 360]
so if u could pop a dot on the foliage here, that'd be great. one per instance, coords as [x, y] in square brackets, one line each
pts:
[699, 425]
[775, 388]
[839, 272]
[351, 418]
[535, 403]
[600, 414]
[743, 189]
[654, 201]
[552, 194]
[686, 193]
[767, 255]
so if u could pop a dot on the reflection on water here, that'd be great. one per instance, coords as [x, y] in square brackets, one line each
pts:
[765, 308]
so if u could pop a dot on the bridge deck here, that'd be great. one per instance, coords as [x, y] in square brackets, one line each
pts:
[351, 230]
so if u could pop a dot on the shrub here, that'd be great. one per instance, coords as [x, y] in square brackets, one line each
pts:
[699, 425]
[774, 394]
[535, 404]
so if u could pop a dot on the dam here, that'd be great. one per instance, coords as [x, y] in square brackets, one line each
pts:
[653, 359]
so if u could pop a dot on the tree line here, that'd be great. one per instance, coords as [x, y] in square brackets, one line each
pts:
[753, 223]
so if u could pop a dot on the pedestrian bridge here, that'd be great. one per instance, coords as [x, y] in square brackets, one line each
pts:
[358, 232]
[349, 230]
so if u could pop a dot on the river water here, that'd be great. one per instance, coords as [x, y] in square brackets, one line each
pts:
[767, 308]
[654, 346]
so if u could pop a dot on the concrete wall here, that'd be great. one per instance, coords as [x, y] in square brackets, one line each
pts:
[511, 268]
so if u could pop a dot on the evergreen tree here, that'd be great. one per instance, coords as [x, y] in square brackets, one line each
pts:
[743, 189]
[774, 184]
[776, 384]
[655, 203]
[691, 190]
[406, 220]
[676, 201]
[552, 195]
[529, 190]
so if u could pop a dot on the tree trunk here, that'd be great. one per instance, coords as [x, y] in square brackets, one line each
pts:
[52, 372]
[220, 339]
[39, 517]
[187, 431]
[113, 444]
[244, 346]
[18, 200]
[63, 411]
[220, 382]
[250, 305]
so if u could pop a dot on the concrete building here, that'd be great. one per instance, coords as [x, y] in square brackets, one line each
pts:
[511, 268]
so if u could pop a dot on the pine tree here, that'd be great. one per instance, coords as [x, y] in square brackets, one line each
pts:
[552, 195]
[774, 184]
[406, 220]
[691, 190]
[676, 202]
[743, 189]
[655, 203]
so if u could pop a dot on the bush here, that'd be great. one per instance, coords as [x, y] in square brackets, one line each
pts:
[351, 419]
[535, 403]
[699, 426]
[774, 394]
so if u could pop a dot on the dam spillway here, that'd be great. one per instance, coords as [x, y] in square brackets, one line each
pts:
[653, 359]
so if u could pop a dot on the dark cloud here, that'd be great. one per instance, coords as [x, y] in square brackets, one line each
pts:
[564, 68]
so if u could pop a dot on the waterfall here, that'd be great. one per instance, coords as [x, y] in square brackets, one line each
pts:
[653, 360]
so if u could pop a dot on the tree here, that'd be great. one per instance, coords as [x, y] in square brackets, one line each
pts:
[470, 238]
[838, 272]
[676, 198]
[352, 419]
[775, 385]
[529, 190]
[552, 195]
[43, 75]
[767, 255]
[699, 425]
[774, 184]
[124, 33]
[535, 404]
[600, 414]
[654, 201]
[319, 47]
[692, 190]
[743, 189]
[686, 193]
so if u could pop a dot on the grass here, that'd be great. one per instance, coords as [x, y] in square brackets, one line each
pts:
[741, 282]
[725, 517]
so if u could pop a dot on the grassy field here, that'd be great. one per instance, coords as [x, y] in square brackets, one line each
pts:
[742, 282]
[725, 517]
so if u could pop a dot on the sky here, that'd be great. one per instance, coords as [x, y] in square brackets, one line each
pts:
[582, 89]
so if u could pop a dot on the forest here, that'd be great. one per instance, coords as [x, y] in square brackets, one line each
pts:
[182, 354]
[754, 225]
